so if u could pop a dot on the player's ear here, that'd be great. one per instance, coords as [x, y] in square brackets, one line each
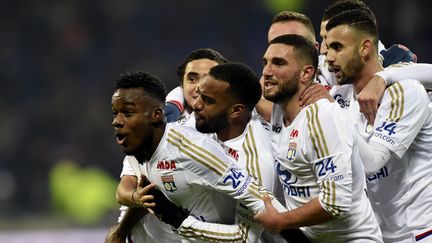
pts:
[157, 115]
[307, 73]
[366, 47]
[236, 110]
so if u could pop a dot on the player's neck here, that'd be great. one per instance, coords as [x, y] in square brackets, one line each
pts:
[234, 129]
[291, 108]
[149, 148]
[366, 74]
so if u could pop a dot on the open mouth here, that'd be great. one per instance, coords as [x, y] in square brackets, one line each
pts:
[269, 84]
[121, 138]
[336, 71]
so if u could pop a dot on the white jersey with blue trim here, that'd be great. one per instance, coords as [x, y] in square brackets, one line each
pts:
[318, 157]
[203, 179]
[401, 192]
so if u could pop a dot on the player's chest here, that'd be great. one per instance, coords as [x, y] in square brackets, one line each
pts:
[288, 147]
[170, 176]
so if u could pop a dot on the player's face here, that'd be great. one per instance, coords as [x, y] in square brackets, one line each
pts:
[323, 34]
[343, 54]
[212, 106]
[131, 110]
[287, 28]
[194, 72]
[280, 72]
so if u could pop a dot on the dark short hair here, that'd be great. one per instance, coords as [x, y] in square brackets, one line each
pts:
[303, 48]
[340, 6]
[202, 53]
[286, 16]
[361, 21]
[243, 82]
[149, 82]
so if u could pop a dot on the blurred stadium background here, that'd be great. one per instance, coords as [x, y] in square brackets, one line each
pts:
[59, 163]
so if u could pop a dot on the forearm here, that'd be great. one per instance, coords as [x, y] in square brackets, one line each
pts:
[374, 156]
[420, 71]
[311, 213]
[125, 190]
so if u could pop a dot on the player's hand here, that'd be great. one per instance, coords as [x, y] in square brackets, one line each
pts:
[167, 211]
[157, 203]
[370, 96]
[313, 93]
[270, 217]
[142, 197]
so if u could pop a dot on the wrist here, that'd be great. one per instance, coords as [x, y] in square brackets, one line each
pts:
[384, 77]
[134, 203]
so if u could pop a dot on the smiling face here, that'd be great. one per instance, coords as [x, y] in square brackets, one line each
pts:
[281, 72]
[212, 107]
[194, 73]
[132, 110]
[343, 54]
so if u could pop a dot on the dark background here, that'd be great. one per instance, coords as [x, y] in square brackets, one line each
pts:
[59, 60]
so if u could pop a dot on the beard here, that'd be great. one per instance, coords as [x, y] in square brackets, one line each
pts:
[352, 67]
[213, 125]
[286, 89]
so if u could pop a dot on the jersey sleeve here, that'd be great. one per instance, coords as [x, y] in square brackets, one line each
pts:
[219, 170]
[331, 144]
[176, 97]
[401, 115]
[420, 71]
[222, 174]
[195, 230]
[127, 168]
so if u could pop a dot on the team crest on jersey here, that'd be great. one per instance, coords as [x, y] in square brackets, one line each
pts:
[292, 150]
[169, 184]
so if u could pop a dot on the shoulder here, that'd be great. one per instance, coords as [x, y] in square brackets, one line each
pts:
[407, 90]
[181, 136]
[323, 114]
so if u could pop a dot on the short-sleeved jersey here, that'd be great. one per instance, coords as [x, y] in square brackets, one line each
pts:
[195, 173]
[318, 157]
[401, 192]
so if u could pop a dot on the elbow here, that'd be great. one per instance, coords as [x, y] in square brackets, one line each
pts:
[340, 209]
[369, 171]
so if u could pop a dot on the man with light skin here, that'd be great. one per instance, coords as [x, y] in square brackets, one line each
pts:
[369, 97]
[286, 22]
[397, 153]
[316, 153]
[192, 69]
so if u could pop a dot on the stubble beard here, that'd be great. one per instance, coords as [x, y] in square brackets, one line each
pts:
[286, 90]
[353, 67]
[213, 125]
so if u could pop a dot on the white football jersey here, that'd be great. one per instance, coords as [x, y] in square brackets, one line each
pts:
[150, 229]
[195, 173]
[401, 192]
[251, 150]
[318, 157]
